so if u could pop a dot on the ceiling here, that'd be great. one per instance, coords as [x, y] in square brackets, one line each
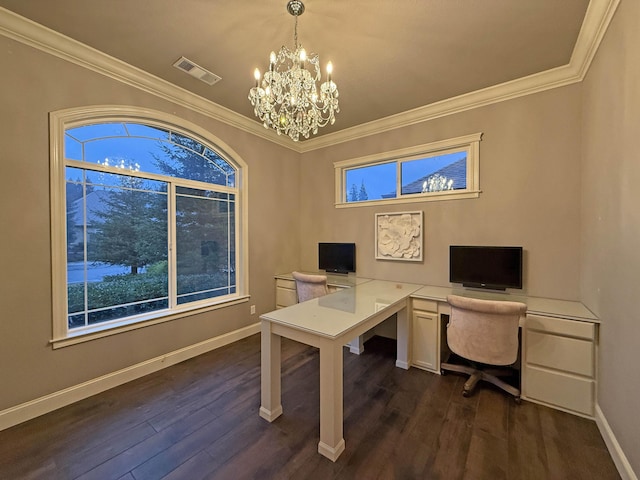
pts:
[389, 56]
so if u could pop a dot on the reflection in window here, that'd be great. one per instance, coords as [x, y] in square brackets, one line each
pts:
[147, 149]
[434, 174]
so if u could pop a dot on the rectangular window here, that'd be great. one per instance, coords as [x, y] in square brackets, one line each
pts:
[204, 253]
[435, 171]
[370, 182]
[116, 235]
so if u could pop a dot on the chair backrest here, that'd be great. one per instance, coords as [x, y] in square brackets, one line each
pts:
[310, 286]
[484, 331]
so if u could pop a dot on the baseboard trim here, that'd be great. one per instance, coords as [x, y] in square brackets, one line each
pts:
[48, 403]
[619, 458]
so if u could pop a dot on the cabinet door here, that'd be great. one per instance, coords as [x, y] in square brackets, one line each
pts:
[425, 342]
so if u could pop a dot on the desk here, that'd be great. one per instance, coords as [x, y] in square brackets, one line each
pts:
[559, 341]
[328, 323]
[559, 345]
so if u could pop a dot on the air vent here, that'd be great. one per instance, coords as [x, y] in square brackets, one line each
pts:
[196, 71]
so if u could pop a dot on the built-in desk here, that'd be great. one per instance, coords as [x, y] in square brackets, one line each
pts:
[535, 305]
[559, 341]
[559, 345]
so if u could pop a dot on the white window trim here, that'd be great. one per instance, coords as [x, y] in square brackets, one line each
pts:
[469, 142]
[59, 122]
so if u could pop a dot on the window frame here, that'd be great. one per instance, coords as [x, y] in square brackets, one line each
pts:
[59, 122]
[469, 143]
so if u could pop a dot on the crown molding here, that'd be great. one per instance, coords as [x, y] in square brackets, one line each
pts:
[557, 77]
[597, 18]
[596, 21]
[49, 41]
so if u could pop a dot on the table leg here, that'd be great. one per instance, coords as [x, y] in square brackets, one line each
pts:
[402, 360]
[357, 345]
[331, 402]
[270, 381]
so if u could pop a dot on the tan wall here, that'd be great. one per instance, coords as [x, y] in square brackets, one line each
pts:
[611, 221]
[530, 182]
[34, 85]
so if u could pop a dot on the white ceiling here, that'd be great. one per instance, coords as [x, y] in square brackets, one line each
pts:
[389, 56]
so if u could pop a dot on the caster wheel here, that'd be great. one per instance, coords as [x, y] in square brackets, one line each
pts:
[518, 400]
[466, 394]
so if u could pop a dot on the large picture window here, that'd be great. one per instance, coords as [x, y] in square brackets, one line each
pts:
[435, 171]
[146, 221]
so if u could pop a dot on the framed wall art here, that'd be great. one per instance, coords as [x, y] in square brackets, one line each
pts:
[399, 236]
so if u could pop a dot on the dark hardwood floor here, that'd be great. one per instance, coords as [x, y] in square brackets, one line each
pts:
[199, 419]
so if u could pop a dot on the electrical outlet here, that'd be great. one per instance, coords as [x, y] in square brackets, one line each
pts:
[253, 309]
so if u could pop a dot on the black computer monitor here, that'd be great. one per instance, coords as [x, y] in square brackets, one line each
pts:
[491, 267]
[337, 257]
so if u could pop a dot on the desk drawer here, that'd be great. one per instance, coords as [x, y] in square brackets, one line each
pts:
[570, 328]
[285, 297]
[425, 305]
[563, 390]
[286, 283]
[563, 353]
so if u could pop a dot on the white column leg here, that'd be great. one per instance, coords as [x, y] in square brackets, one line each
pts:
[331, 409]
[270, 381]
[403, 333]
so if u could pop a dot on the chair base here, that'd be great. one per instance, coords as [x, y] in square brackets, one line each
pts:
[476, 374]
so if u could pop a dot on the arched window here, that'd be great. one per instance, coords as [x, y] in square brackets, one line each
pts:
[146, 214]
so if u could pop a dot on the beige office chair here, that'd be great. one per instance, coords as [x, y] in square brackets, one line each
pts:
[484, 332]
[310, 286]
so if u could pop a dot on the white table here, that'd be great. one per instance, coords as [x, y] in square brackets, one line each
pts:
[328, 323]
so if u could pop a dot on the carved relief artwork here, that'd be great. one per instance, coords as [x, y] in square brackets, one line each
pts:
[399, 236]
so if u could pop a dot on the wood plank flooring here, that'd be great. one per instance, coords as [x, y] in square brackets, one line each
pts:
[199, 420]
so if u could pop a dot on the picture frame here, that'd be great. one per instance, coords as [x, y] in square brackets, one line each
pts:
[399, 236]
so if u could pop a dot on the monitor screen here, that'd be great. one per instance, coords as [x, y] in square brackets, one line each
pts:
[337, 257]
[491, 267]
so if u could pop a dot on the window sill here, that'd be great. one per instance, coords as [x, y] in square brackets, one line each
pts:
[414, 199]
[101, 331]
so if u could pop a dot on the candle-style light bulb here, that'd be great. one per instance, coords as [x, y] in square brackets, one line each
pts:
[303, 57]
[272, 61]
[329, 70]
[256, 74]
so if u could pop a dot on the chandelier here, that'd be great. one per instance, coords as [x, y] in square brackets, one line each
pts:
[287, 98]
